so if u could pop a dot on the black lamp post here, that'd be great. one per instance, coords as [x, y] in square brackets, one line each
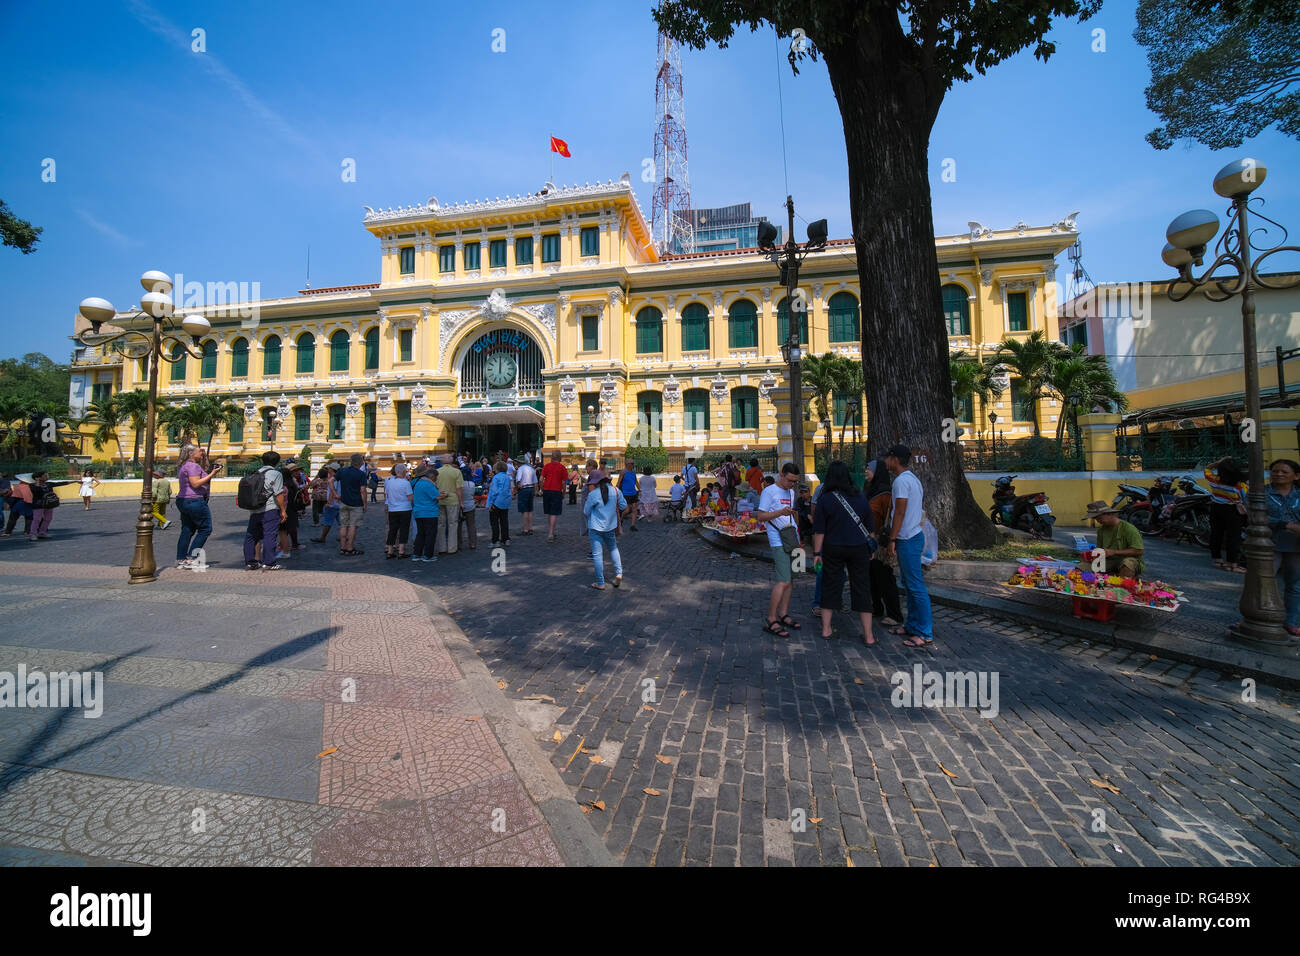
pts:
[157, 304]
[1188, 235]
[788, 258]
[1074, 399]
[993, 427]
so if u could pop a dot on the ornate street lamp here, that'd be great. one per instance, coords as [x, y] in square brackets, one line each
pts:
[993, 427]
[137, 343]
[1075, 399]
[1188, 235]
[788, 258]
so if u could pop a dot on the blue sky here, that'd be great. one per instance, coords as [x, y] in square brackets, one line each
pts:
[225, 165]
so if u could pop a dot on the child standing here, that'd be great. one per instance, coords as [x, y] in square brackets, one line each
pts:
[162, 495]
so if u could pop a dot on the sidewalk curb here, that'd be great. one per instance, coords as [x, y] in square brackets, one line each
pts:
[574, 836]
[1235, 659]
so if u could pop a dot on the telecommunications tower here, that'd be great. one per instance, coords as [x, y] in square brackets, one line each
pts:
[670, 220]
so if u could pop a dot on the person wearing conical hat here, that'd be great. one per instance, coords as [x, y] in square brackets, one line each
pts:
[1121, 542]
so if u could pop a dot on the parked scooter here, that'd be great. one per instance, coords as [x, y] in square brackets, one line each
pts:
[1188, 515]
[1029, 512]
[1146, 513]
[1128, 497]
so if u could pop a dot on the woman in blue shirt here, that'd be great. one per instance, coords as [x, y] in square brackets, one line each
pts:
[1283, 498]
[603, 506]
[424, 508]
[498, 499]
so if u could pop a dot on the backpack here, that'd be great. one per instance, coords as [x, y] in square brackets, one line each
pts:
[252, 493]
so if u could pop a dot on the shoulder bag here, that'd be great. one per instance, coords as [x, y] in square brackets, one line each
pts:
[868, 539]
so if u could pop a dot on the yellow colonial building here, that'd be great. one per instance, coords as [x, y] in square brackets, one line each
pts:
[550, 321]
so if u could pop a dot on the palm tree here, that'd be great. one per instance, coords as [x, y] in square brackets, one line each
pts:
[135, 407]
[1086, 377]
[849, 386]
[970, 378]
[821, 374]
[1031, 360]
[108, 417]
[204, 413]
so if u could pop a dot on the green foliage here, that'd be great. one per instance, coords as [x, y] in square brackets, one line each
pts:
[31, 384]
[304, 456]
[19, 233]
[1221, 73]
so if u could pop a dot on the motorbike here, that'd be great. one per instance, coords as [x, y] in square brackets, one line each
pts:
[1188, 515]
[1028, 512]
[1127, 499]
[1146, 513]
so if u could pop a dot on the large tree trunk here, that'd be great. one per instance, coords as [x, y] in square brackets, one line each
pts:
[889, 104]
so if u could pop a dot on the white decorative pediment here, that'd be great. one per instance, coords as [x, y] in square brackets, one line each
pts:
[353, 404]
[317, 405]
[383, 398]
[766, 384]
[544, 314]
[568, 391]
[250, 408]
[418, 400]
[718, 388]
[282, 408]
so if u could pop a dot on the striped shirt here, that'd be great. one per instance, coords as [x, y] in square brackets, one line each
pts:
[1224, 494]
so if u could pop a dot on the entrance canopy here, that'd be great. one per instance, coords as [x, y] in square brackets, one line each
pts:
[490, 415]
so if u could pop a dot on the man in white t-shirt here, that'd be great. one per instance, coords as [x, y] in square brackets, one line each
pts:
[776, 510]
[907, 541]
[525, 479]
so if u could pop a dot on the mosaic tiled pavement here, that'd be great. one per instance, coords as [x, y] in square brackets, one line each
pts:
[738, 734]
[222, 691]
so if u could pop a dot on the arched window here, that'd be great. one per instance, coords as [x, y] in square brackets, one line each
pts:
[695, 328]
[368, 420]
[178, 363]
[235, 431]
[742, 325]
[339, 351]
[783, 323]
[336, 423]
[268, 424]
[956, 309]
[301, 423]
[239, 358]
[842, 308]
[208, 367]
[650, 411]
[271, 355]
[695, 405]
[744, 408]
[306, 352]
[372, 349]
[649, 331]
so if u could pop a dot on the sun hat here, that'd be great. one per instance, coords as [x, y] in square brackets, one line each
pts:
[25, 477]
[1099, 508]
[420, 471]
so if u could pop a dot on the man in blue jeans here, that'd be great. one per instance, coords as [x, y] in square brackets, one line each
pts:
[264, 522]
[907, 541]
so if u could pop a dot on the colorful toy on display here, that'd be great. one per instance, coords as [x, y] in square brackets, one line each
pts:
[741, 526]
[1098, 587]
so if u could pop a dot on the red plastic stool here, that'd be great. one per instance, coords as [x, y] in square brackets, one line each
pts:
[1093, 610]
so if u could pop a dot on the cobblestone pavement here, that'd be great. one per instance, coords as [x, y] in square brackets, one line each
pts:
[709, 742]
[302, 717]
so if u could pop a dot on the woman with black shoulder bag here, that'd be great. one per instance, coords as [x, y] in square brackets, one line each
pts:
[843, 541]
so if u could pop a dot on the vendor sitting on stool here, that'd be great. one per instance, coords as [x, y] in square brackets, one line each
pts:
[1121, 542]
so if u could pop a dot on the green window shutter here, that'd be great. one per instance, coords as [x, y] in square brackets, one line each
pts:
[966, 409]
[843, 310]
[590, 333]
[178, 367]
[372, 348]
[650, 410]
[236, 431]
[301, 423]
[524, 251]
[590, 240]
[266, 424]
[497, 253]
[1018, 311]
[239, 359]
[695, 404]
[744, 408]
[306, 352]
[208, 367]
[1022, 406]
[839, 411]
[590, 419]
[551, 247]
[271, 356]
[403, 419]
[404, 338]
[368, 420]
[783, 323]
[173, 435]
[471, 256]
[447, 258]
[742, 325]
[956, 310]
[695, 328]
[339, 351]
[335, 422]
[408, 260]
[649, 331]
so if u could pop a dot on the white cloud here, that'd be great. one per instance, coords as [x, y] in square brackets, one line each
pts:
[104, 229]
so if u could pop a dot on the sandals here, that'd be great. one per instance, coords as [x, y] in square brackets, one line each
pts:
[618, 580]
[791, 623]
[774, 627]
[597, 587]
[900, 631]
[1234, 568]
[355, 551]
[917, 641]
